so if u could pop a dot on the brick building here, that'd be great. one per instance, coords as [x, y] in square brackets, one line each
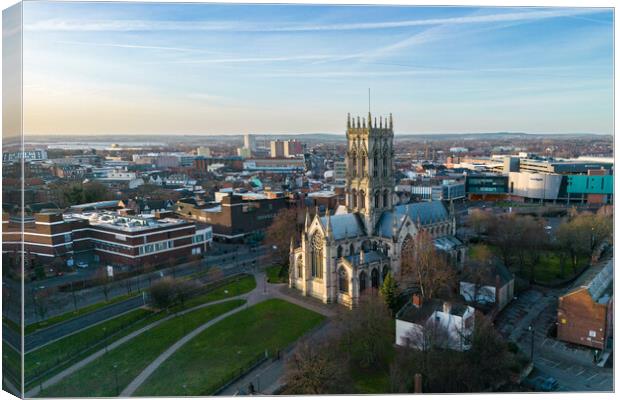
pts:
[585, 313]
[112, 238]
[236, 216]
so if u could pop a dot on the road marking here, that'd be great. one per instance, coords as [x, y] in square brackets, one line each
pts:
[581, 372]
[544, 341]
[592, 377]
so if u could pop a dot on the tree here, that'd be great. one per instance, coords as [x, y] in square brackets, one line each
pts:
[422, 266]
[102, 279]
[317, 367]
[367, 333]
[278, 235]
[480, 221]
[389, 292]
[163, 293]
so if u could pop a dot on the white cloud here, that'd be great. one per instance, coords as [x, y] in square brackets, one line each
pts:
[240, 26]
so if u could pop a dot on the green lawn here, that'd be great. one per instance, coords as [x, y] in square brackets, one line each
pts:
[73, 314]
[206, 362]
[549, 268]
[11, 363]
[86, 342]
[275, 274]
[242, 285]
[98, 379]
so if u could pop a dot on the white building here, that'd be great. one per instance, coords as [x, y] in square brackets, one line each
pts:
[422, 325]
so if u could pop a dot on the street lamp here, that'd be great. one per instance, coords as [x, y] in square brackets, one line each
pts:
[529, 328]
[115, 366]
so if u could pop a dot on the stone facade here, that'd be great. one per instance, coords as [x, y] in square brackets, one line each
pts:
[342, 255]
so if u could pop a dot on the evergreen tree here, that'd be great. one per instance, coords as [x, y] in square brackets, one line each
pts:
[389, 292]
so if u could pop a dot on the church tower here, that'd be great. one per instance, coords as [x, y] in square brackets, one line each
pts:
[369, 163]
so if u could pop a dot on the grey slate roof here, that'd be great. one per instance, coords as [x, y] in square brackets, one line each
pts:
[447, 243]
[428, 212]
[369, 257]
[349, 224]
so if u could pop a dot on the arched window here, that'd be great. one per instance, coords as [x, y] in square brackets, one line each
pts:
[362, 202]
[317, 256]
[375, 165]
[339, 251]
[385, 165]
[300, 267]
[351, 249]
[363, 166]
[366, 245]
[352, 167]
[377, 198]
[386, 270]
[343, 281]
[374, 275]
[354, 198]
[362, 281]
[386, 199]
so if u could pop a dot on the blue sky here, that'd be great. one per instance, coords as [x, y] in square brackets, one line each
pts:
[148, 68]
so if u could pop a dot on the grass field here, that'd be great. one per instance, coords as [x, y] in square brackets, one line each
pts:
[73, 314]
[371, 381]
[11, 361]
[239, 286]
[86, 342]
[102, 379]
[276, 275]
[205, 363]
[549, 268]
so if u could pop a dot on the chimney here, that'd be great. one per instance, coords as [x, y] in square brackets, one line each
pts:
[417, 383]
[446, 307]
[416, 300]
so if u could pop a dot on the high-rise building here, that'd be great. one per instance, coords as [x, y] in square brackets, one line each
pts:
[292, 148]
[277, 149]
[249, 142]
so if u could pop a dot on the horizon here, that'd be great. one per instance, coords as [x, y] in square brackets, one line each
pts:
[213, 69]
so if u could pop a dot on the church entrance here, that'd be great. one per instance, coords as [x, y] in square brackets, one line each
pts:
[362, 281]
[374, 275]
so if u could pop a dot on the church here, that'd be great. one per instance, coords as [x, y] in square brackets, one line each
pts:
[342, 255]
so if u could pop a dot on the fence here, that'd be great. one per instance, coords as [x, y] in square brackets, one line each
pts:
[237, 374]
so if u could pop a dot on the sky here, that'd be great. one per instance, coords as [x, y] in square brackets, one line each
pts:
[153, 68]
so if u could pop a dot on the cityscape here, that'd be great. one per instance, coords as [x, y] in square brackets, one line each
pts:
[280, 216]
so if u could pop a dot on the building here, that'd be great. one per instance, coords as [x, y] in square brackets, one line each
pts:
[203, 151]
[27, 155]
[340, 172]
[342, 255]
[277, 149]
[293, 148]
[233, 162]
[110, 237]
[430, 190]
[492, 288]
[585, 312]
[234, 216]
[244, 152]
[422, 324]
[249, 142]
[486, 187]
[275, 165]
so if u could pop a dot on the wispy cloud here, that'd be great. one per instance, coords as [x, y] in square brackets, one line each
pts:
[241, 26]
[134, 46]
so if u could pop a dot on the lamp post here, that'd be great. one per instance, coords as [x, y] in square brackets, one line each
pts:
[529, 328]
[115, 366]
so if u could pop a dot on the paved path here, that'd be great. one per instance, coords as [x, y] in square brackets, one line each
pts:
[82, 363]
[255, 296]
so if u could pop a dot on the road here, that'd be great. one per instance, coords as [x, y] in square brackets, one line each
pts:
[41, 337]
[571, 365]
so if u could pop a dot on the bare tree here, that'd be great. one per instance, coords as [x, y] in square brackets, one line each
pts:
[421, 265]
[103, 280]
[278, 235]
[480, 221]
[368, 332]
[163, 293]
[317, 367]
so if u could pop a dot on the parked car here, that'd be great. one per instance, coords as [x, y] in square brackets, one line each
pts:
[82, 264]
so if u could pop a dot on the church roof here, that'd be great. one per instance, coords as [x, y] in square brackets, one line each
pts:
[447, 243]
[427, 213]
[345, 225]
[369, 257]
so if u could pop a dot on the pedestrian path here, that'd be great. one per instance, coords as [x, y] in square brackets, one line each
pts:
[82, 363]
